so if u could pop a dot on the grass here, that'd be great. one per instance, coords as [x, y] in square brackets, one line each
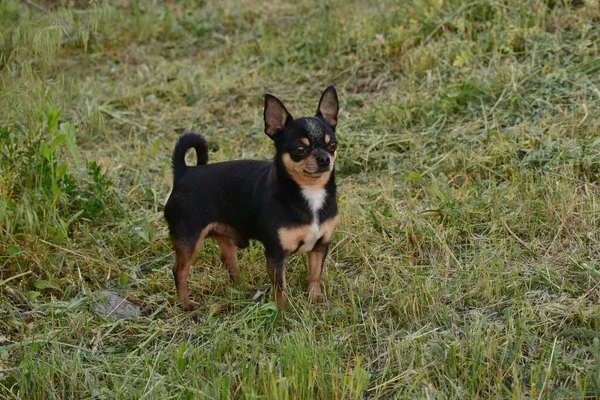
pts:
[466, 263]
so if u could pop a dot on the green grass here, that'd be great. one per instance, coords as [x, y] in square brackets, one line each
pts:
[467, 260]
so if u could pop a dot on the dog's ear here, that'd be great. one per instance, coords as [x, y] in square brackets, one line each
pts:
[329, 106]
[276, 116]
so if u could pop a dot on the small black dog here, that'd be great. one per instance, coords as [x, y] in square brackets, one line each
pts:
[288, 204]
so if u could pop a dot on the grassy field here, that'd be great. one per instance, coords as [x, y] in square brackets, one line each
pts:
[467, 260]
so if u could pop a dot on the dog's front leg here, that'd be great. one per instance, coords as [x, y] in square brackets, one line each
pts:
[316, 261]
[276, 269]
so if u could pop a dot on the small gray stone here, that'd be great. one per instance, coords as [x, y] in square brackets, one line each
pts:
[111, 305]
[257, 295]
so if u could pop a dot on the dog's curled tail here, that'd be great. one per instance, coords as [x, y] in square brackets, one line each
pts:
[186, 142]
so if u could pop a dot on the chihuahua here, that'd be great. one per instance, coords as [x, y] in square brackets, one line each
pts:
[288, 204]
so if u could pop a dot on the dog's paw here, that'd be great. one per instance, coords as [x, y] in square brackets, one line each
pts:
[189, 305]
[314, 293]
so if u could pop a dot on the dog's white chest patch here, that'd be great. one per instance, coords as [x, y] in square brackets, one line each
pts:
[315, 197]
[309, 241]
[302, 239]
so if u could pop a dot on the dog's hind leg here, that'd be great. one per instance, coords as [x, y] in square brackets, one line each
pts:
[229, 258]
[185, 254]
[184, 258]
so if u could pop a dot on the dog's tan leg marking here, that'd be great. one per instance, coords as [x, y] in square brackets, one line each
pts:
[184, 258]
[315, 267]
[185, 254]
[316, 259]
[229, 258]
[276, 269]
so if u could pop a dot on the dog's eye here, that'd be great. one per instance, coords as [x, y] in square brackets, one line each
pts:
[332, 146]
[300, 150]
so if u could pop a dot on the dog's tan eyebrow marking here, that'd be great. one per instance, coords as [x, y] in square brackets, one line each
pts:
[305, 141]
[327, 139]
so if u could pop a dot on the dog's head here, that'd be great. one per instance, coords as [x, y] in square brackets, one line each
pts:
[306, 146]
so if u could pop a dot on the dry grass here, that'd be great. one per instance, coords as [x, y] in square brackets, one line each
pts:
[466, 264]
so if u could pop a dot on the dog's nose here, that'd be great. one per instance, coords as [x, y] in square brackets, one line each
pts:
[323, 160]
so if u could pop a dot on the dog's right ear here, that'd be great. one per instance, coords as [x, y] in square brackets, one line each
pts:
[276, 116]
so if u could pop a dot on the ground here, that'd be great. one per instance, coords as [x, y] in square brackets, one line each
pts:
[467, 260]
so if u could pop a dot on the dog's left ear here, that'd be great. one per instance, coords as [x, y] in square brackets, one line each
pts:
[329, 106]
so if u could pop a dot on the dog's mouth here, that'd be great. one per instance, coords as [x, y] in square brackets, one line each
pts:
[318, 173]
[315, 174]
